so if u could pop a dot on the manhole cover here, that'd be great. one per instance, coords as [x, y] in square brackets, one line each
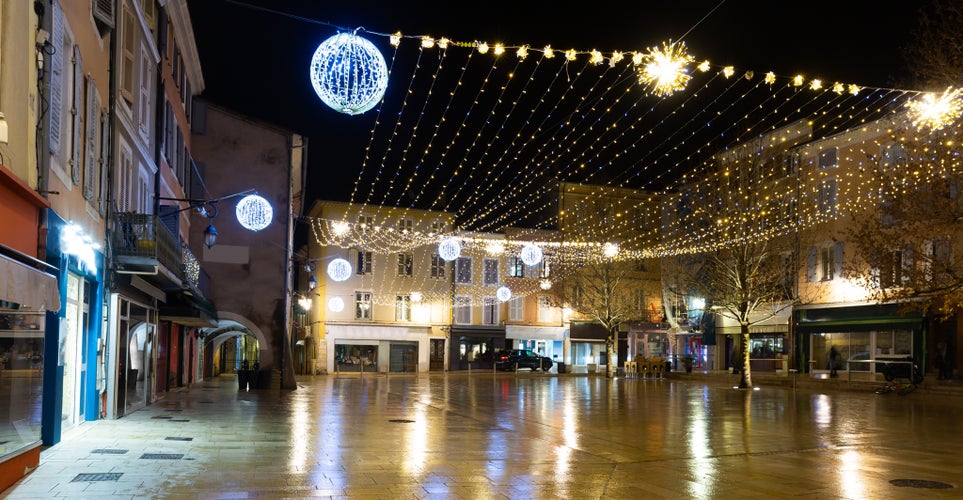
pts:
[108, 451]
[162, 456]
[106, 476]
[401, 421]
[920, 483]
[175, 438]
[179, 420]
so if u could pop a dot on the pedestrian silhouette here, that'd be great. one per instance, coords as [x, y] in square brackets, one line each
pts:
[833, 361]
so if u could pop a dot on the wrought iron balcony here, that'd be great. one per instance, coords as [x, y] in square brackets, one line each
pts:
[142, 244]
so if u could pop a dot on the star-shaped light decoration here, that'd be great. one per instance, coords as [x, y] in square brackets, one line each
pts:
[664, 70]
[770, 78]
[935, 111]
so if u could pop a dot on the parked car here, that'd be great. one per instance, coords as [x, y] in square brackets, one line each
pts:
[522, 358]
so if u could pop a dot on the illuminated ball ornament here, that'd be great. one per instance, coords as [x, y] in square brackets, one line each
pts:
[339, 269]
[531, 254]
[503, 293]
[336, 304]
[254, 212]
[349, 73]
[449, 249]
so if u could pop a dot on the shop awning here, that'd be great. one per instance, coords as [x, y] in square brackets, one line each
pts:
[27, 286]
[526, 332]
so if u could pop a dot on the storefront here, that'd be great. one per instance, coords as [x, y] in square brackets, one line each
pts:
[371, 348]
[74, 382]
[545, 341]
[649, 340]
[862, 335]
[29, 303]
[474, 347]
[131, 364]
[588, 342]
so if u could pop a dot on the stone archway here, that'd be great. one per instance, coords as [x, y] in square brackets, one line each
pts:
[230, 325]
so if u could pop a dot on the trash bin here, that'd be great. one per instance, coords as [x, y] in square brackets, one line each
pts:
[561, 367]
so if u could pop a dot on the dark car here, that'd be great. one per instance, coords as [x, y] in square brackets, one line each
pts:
[521, 358]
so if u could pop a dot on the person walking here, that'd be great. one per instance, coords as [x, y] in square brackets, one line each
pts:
[833, 361]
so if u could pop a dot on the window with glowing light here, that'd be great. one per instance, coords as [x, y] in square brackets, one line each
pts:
[437, 267]
[362, 305]
[825, 262]
[403, 308]
[516, 268]
[463, 270]
[490, 311]
[404, 264]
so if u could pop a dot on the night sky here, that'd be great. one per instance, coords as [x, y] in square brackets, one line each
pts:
[256, 61]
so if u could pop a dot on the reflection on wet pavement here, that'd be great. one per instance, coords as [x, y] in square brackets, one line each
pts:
[512, 436]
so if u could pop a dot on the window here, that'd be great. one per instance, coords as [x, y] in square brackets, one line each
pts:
[144, 94]
[406, 226]
[826, 198]
[490, 311]
[364, 262]
[544, 308]
[365, 221]
[462, 310]
[125, 172]
[437, 267]
[578, 295]
[362, 305]
[463, 270]
[145, 195]
[516, 308]
[516, 268]
[891, 156]
[825, 263]
[128, 43]
[438, 227]
[827, 158]
[403, 308]
[93, 142]
[404, 264]
[490, 271]
[895, 268]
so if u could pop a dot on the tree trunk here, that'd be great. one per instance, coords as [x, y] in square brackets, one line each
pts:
[609, 351]
[745, 378]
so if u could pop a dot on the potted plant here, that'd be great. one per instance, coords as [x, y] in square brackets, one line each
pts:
[687, 363]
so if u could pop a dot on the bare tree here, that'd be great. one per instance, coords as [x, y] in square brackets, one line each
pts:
[748, 282]
[935, 55]
[611, 293]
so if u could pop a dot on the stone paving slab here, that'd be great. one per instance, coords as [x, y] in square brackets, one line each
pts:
[516, 436]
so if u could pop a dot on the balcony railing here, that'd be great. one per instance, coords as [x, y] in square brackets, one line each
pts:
[141, 243]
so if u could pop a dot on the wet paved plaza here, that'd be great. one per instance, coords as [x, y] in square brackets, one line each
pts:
[512, 436]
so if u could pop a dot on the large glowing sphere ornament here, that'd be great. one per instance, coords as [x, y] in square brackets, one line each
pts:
[531, 254]
[339, 269]
[449, 249]
[503, 293]
[254, 212]
[349, 73]
[336, 304]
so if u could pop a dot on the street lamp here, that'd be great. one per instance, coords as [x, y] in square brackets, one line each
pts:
[210, 234]
[312, 282]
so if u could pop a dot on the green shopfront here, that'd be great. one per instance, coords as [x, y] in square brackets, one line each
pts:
[863, 335]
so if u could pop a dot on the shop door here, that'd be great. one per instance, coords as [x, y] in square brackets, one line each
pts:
[72, 350]
[136, 352]
[403, 357]
[436, 355]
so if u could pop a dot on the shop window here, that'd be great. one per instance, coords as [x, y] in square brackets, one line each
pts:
[351, 357]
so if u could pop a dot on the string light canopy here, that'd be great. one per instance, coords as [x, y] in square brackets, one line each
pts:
[339, 269]
[254, 212]
[349, 73]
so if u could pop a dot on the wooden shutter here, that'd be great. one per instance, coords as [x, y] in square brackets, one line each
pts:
[104, 12]
[838, 260]
[76, 112]
[811, 262]
[91, 145]
[104, 162]
[56, 77]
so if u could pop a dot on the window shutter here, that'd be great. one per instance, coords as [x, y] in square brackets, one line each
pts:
[908, 265]
[127, 58]
[104, 159]
[92, 122]
[76, 112]
[838, 260]
[56, 77]
[811, 264]
[104, 12]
